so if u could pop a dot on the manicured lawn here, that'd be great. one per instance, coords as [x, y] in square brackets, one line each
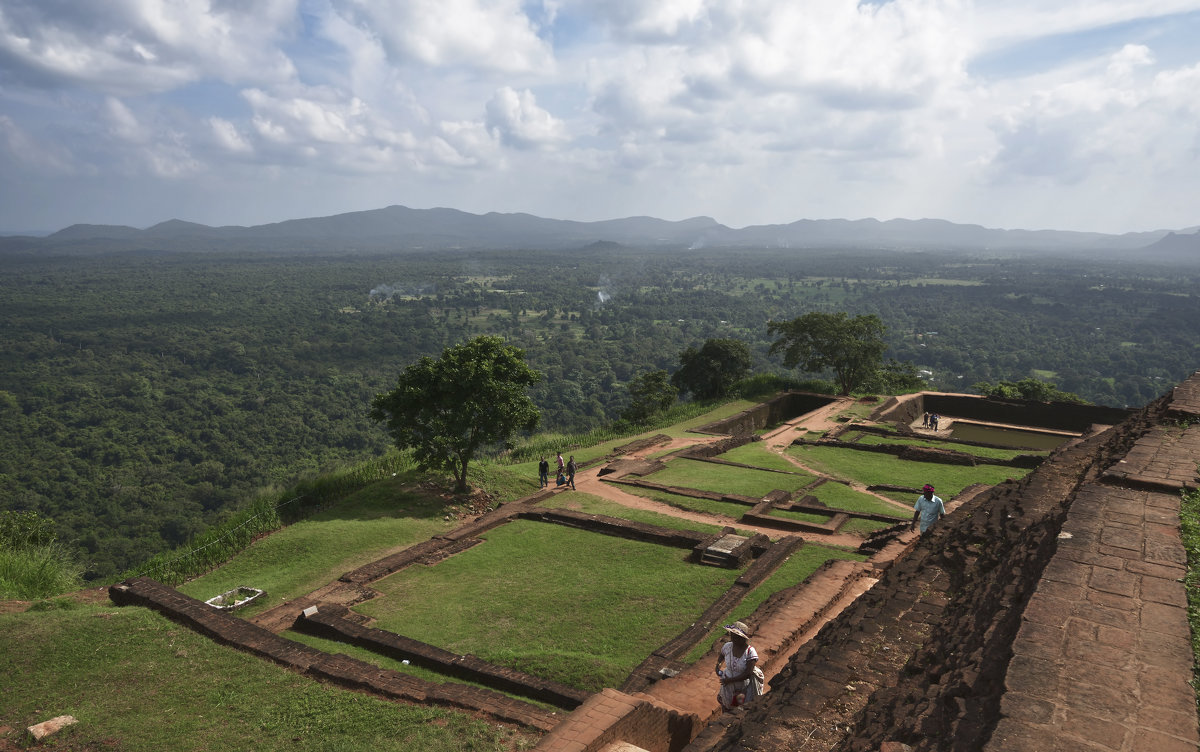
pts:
[140, 683]
[589, 504]
[577, 607]
[304, 556]
[989, 452]
[872, 468]
[708, 476]
[757, 454]
[841, 496]
[729, 509]
[798, 566]
[790, 514]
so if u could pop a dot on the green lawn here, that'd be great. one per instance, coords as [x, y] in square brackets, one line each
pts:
[304, 556]
[757, 453]
[989, 452]
[589, 504]
[802, 563]
[730, 509]
[841, 496]
[709, 476]
[581, 608]
[872, 468]
[138, 682]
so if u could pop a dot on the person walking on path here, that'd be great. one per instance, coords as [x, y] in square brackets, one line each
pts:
[560, 463]
[928, 510]
[544, 473]
[571, 468]
[737, 669]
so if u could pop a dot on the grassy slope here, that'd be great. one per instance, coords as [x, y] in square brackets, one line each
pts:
[308, 554]
[136, 681]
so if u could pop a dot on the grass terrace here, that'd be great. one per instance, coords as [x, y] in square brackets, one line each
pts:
[729, 509]
[570, 605]
[138, 682]
[299, 558]
[978, 451]
[709, 476]
[871, 468]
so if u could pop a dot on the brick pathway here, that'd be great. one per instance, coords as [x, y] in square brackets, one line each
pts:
[1103, 657]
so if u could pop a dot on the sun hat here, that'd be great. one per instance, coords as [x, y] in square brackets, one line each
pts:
[738, 629]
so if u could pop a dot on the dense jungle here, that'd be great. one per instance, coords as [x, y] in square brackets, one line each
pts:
[145, 395]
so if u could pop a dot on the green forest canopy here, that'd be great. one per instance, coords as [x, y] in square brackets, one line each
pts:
[144, 395]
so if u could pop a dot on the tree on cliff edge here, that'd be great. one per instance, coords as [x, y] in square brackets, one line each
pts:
[445, 410]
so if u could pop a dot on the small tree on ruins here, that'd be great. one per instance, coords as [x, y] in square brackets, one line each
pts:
[447, 409]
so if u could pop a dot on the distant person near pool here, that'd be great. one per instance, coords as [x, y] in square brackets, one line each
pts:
[928, 509]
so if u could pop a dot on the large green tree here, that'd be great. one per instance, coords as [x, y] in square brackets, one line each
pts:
[446, 409]
[650, 393]
[852, 348]
[712, 370]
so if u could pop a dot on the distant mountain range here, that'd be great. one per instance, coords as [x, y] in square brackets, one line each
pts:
[400, 228]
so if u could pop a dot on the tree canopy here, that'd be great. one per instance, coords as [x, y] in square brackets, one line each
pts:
[650, 393]
[446, 409]
[712, 370]
[1028, 389]
[850, 347]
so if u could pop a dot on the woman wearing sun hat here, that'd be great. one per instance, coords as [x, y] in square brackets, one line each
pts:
[741, 678]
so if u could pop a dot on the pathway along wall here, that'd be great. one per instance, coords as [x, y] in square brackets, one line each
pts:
[925, 658]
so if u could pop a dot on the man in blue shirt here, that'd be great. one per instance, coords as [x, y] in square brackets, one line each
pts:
[928, 509]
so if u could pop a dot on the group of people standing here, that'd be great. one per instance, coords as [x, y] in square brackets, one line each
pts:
[566, 472]
[930, 420]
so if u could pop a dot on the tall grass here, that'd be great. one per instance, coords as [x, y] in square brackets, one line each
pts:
[32, 572]
[1190, 533]
[263, 515]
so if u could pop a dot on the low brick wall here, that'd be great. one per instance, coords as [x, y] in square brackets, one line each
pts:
[336, 668]
[599, 523]
[612, 717]
[784, 407]
[927, 454]
[1056, 416]
[330, 622]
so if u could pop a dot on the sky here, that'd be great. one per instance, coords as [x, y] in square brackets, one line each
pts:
[1017, 114]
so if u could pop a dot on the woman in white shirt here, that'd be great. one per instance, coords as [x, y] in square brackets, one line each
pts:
[737, 668]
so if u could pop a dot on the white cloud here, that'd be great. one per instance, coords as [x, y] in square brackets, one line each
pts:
[517, 120]
[141, 46]
[227, 137]
[483, 35]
